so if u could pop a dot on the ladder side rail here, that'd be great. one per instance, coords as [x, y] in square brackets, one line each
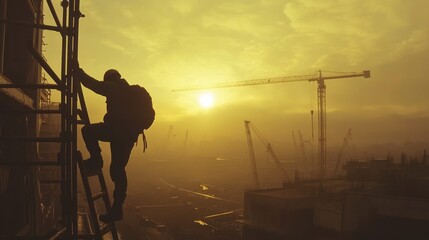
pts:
[66, 193]
[78, 88]
[84, 116]
[92, 212]
[71, 55]
[106, 200]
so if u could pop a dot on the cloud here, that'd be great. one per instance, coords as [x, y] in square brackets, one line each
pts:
[363, 31]
[115, 46]
[416, 41]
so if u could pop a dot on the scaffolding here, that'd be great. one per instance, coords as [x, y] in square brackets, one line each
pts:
[21, 93]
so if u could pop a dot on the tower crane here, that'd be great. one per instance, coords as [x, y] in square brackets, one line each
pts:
[321, 100]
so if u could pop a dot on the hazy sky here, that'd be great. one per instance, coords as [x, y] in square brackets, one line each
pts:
[168, 44]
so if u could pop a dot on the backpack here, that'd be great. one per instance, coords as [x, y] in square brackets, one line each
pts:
[142, 114]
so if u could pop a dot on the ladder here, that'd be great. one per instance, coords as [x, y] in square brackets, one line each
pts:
[68, 157]
[98, 230]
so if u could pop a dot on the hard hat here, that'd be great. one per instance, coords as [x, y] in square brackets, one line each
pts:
[109, 73]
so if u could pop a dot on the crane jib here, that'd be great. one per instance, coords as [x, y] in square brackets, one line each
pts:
[261, 81]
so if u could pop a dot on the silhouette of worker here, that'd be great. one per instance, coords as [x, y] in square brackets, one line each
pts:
[113, 129]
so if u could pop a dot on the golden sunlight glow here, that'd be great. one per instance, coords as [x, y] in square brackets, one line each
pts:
[206, 100]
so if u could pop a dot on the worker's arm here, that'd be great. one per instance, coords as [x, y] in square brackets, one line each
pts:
[99, 87]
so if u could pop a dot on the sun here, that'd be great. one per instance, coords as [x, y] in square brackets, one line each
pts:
[206, 100]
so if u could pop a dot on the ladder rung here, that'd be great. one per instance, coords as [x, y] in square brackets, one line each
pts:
[98, 195]
[99, 230]
[29, 139]
[105, 228]
[32, 111]
[30, 163]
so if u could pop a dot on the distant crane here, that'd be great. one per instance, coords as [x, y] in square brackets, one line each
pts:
[252, 154]
[321, 100]
[343, 147]
[269, 148]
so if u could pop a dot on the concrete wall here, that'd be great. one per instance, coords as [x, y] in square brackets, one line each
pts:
[328, 214]
[279, 213]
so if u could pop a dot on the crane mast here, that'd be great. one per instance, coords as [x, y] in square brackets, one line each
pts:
[321, 99]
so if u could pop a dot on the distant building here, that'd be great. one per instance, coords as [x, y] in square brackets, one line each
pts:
[377, 200]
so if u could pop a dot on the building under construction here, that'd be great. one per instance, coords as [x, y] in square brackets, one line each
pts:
[377, 199]
[38, 138]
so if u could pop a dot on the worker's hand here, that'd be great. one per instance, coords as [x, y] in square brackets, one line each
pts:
[76, 69]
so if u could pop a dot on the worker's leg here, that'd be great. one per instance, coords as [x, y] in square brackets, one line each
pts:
[120, 155]
[92, 134]
[120, 151]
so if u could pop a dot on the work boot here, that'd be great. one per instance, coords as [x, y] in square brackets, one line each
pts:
[93, 165]
[114, 215]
